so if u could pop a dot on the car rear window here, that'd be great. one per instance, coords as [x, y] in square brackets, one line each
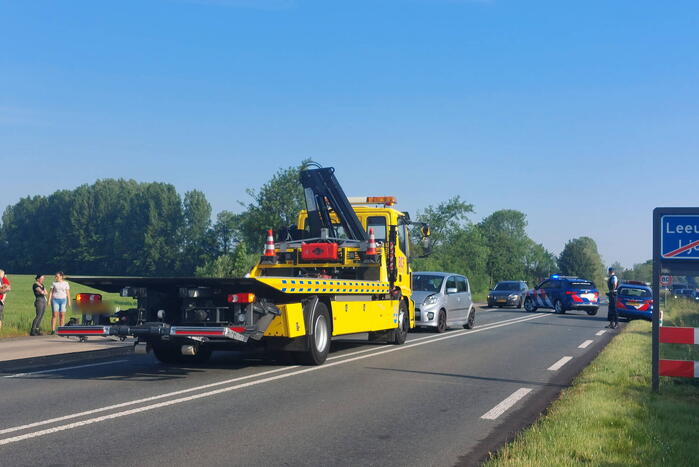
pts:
[581, 284]
[633, 292]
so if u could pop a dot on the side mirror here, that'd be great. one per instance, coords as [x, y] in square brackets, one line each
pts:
[451, 290]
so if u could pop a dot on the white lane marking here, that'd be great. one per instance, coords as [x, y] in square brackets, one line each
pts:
[585, 344]
[205, 386]
[499, 409]
[225, 389]
[557, 366]
[54, 370]
[599, 333]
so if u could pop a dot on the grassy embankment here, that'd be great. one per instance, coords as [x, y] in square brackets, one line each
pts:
[610, 417]
[19, 305]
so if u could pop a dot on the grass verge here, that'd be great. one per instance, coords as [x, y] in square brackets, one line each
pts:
[610, 417]
[19, 305]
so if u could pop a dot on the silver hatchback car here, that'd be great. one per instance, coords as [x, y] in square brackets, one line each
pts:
[442, 300]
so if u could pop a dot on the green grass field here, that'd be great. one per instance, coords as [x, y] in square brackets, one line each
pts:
[19, 305]
[610, 417]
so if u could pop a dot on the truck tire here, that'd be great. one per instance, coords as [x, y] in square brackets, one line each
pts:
[400, 334]
[319, 337]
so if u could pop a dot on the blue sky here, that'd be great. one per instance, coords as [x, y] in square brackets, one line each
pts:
[581, 114]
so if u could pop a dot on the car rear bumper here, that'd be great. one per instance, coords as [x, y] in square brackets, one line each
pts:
[583, 306]
[635, 314]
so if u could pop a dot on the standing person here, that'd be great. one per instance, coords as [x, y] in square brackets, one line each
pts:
[612, 285]
[59, 298]
[39, 303]
[4, 288]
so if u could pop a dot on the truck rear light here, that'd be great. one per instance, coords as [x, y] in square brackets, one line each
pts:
[85, 298]
[319, 252]
[241, 298]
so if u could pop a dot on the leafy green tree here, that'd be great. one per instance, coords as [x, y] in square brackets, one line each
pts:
[226, 232]
[508, 245]
[581, 258]
[235, 264]
[197, 219]
[273, 206]
[445, 220]
[539, 263]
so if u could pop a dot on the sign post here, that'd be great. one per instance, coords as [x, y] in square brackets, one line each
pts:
[675, 250]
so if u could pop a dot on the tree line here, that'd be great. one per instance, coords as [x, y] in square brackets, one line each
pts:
[123, 227]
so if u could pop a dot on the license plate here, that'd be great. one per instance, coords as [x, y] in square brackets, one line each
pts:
[588, 296]
[501, 300]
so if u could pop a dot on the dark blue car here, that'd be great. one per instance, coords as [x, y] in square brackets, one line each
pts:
[634, 300]
[563, 293]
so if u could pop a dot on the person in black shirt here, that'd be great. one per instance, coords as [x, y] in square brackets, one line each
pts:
[612, 285]
[39, 304]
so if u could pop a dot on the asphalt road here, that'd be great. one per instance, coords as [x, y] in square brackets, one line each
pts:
[422, 403]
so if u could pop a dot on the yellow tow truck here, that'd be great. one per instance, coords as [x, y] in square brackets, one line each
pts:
[344, 268]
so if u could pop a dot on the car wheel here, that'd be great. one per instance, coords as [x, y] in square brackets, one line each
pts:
[471, 322]
[441, 321]
[319, 339]
[558, 307]
[529, 305]
[400, 334]
[592, 312]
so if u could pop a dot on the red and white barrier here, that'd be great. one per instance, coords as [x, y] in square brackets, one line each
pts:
[679, 368]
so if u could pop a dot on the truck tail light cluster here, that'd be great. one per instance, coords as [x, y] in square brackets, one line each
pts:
[88, 298]
[241, 298]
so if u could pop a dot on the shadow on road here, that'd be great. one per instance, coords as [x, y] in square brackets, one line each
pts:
[471, 377]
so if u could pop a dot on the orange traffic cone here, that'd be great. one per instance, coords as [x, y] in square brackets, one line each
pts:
[269, 246]
[371, 250]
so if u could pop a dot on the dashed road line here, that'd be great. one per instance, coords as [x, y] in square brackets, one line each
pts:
[502, 407]
[585, 344]
[180, 400]
[599, 333]
[557, 366]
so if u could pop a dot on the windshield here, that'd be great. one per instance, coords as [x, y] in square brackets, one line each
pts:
[582, 285]
[427, 283]
[636, 293]
[507, 286]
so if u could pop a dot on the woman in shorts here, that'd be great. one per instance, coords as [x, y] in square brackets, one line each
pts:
[59, 298]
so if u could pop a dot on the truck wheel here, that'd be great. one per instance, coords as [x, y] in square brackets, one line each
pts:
[471, 322]
[400, 334]
[318, 339]
[529, 305]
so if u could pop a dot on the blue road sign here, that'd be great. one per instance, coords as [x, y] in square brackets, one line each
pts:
[679, 237]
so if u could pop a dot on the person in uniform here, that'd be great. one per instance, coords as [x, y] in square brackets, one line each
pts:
[39, 304]
[612, 285]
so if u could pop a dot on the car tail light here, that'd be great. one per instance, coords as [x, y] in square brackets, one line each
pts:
[241, 298]
[85, 298]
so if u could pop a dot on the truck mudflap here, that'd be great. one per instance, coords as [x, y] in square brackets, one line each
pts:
[236, 333]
